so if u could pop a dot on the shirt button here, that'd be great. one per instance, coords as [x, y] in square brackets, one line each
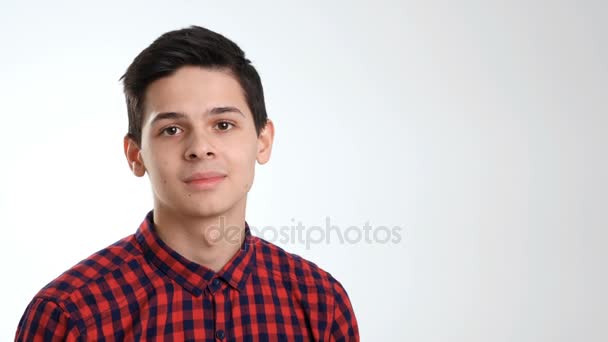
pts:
[216, 283]
[220, 334]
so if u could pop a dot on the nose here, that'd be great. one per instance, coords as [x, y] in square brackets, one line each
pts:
[199, 147]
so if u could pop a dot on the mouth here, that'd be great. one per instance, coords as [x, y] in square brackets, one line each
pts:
[204, 180]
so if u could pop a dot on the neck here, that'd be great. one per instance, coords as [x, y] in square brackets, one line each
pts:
[210, 241]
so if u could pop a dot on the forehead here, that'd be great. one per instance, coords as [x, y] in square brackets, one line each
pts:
[192, 90]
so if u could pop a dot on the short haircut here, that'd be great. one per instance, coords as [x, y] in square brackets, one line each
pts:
[192, 46]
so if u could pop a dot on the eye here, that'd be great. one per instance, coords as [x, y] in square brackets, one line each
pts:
[224, 125]
[171, 130]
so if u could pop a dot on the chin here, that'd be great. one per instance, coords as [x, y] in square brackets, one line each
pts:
[206, 209]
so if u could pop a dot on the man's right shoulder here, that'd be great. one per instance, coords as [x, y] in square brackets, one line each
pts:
[62, 309]
[101, 269]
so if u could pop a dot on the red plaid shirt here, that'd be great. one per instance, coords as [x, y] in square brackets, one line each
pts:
[139, 289]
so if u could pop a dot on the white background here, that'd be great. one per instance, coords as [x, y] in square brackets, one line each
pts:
[479, 127]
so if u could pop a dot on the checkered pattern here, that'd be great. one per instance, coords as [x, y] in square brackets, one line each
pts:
[139, 289]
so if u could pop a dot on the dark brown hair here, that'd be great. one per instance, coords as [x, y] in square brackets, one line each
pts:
[195, 46]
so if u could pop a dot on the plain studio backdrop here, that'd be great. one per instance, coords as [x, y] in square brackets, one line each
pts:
[479, 128]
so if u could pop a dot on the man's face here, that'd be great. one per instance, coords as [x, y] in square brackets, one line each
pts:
[197, 121]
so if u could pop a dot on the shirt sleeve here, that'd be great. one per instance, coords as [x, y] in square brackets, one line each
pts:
[344, 326]
[43, 320]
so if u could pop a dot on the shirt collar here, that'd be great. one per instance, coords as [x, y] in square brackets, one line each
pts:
[190, 275]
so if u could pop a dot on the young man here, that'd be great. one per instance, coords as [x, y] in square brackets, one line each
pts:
[192, 271]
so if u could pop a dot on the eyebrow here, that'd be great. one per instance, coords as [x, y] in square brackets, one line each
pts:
[179, 115]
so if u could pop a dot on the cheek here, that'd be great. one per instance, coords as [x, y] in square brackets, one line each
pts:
[243, 163]
[164, 171]
[159, 166]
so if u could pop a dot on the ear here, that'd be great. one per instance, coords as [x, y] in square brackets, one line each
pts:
[265, 140]
[133, 154]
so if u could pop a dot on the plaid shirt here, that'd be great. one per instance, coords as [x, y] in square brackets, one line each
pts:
[139, 289]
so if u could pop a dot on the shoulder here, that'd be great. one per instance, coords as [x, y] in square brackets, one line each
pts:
[273, 259]
[55, 312]
[99, 269]
[315, 289]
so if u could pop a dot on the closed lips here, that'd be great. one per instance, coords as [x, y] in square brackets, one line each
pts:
[201, 176]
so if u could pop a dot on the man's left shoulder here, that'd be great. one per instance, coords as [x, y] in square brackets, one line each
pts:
[278, 261]
[317, 291]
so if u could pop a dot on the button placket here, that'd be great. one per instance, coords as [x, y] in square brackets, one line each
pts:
[214, 285]
[219, 303]
[220, 334]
